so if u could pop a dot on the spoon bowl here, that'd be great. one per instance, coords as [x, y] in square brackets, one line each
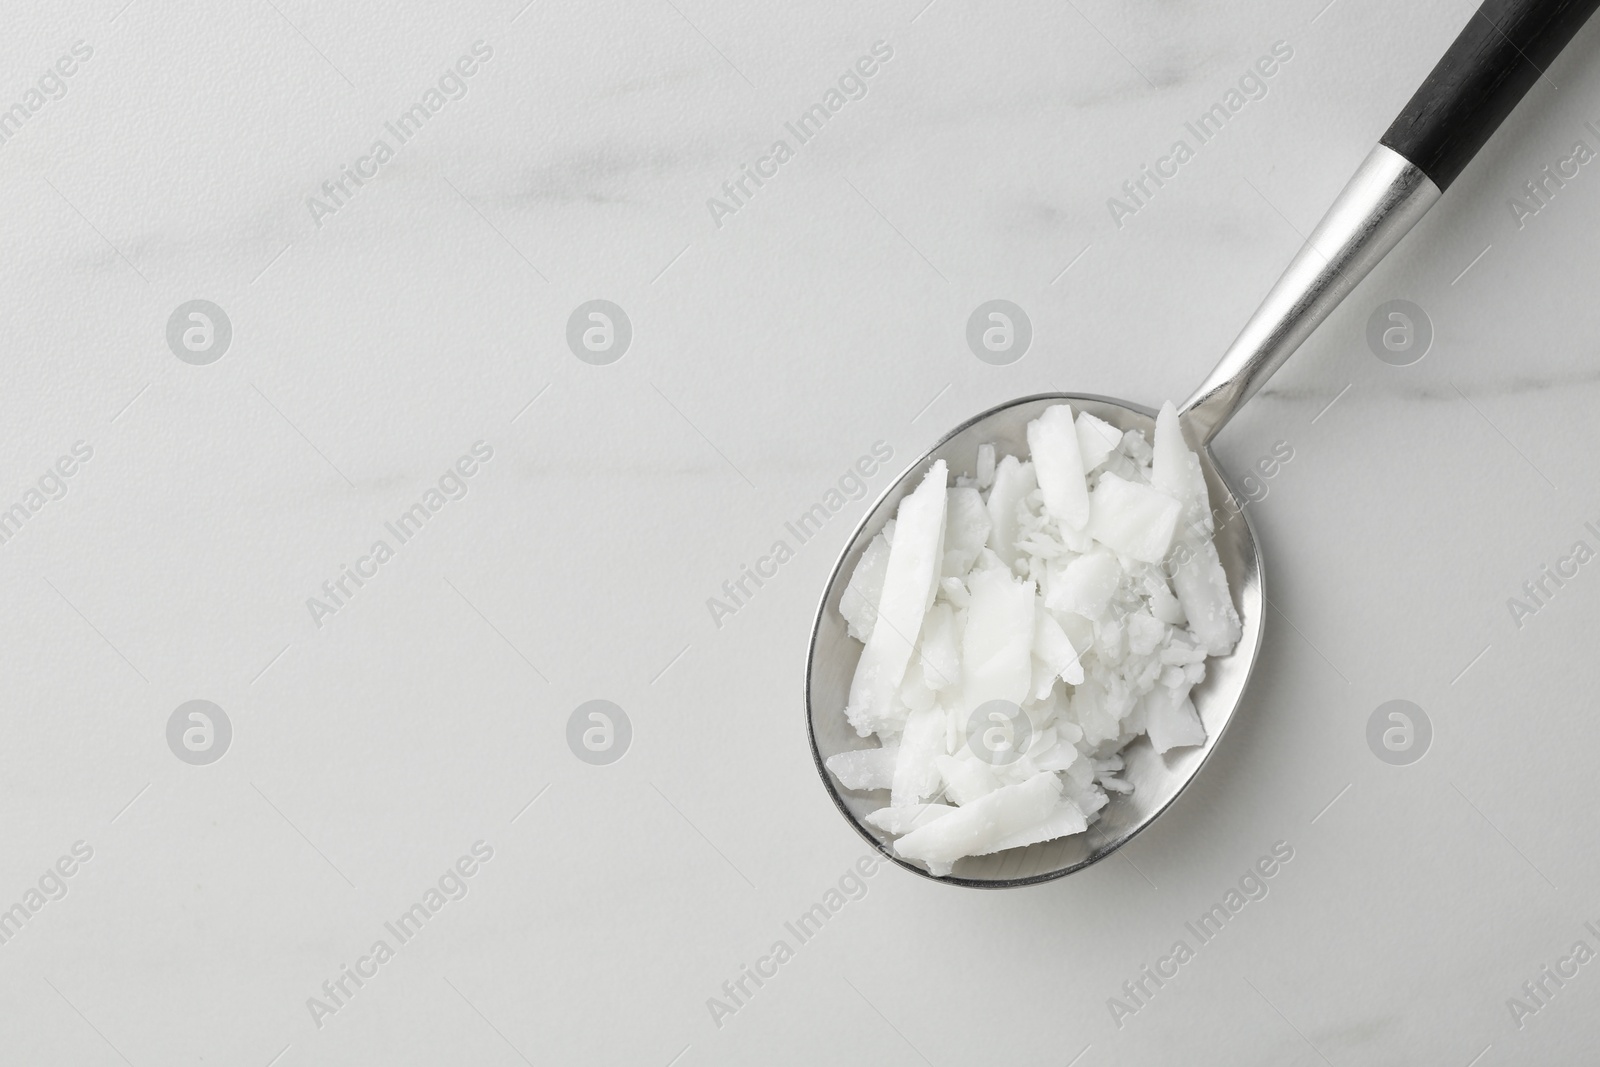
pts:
[1492, 63]
[1156, 780]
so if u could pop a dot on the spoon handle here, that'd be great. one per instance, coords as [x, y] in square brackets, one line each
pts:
[1501, 53]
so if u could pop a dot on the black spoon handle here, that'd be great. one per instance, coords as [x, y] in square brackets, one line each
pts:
[1503, 51]
[1505, 48]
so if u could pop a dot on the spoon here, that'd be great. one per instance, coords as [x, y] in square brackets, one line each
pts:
[1501, 53]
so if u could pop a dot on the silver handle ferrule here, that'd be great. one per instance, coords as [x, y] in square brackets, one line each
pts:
[1379, 205]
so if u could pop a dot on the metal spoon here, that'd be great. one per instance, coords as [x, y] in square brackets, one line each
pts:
[1502, 51]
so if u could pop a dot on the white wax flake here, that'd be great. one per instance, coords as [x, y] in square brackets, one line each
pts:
[965, 780]
[998, 638]
[1079, 630]
[1133, 520]
[864, 768]
[1095, 711]
[954, 592]
[1053, 443]
[1171, 719]
[1202, 589]
[1176, 471]
[1061, 755]
[1146, 633]
[940, 658]
[1182, 653]
[908, 588]
[985, 475]
[1013, 480]
[1136, 447]
[914, 693]
[1163, 605]
[1053, 648]
[1065, 819]
[1077, 590]
[1097, 439]
[915, 774]
[859, 604]
[1085, 586]
[904, 820]
[977, 828]
[966, 530]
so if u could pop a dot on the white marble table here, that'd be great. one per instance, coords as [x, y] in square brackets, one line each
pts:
[378, 335]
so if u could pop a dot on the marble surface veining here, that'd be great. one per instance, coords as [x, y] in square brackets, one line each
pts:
[390, 333]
